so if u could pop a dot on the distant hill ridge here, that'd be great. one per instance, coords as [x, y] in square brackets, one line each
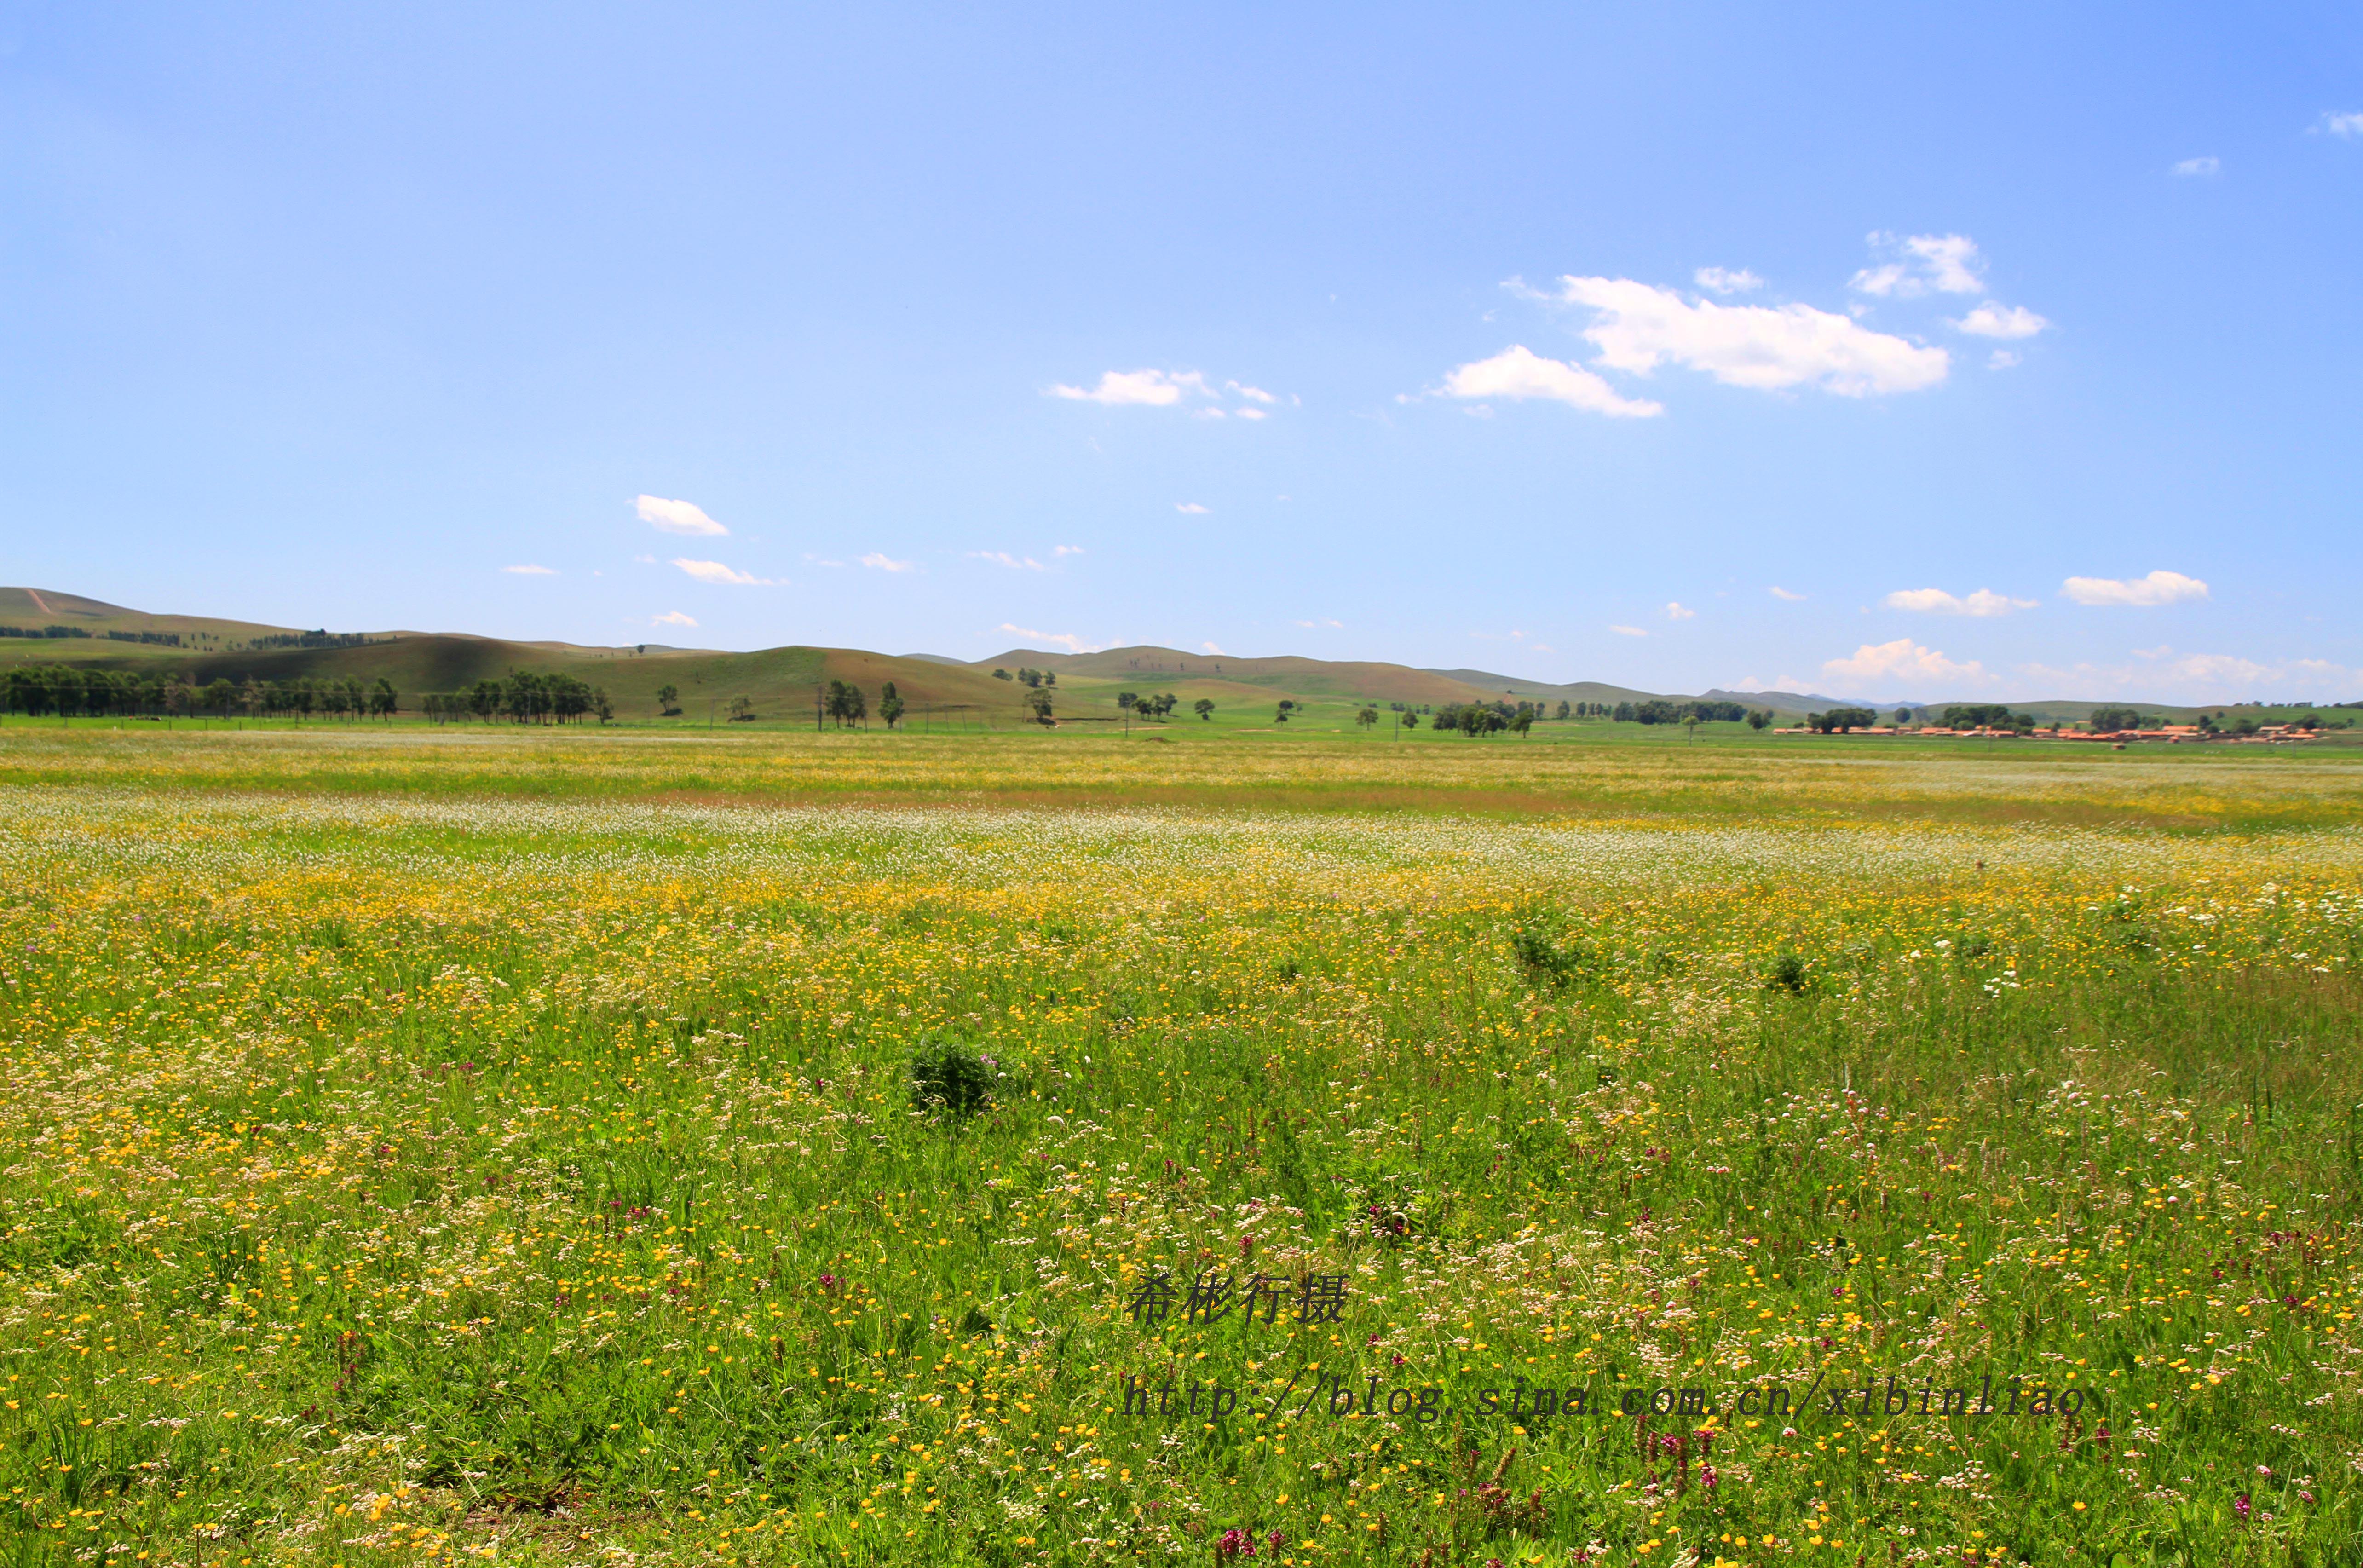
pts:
[783, 682]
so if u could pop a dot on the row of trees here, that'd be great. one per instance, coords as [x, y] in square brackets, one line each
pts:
[1156, 707]
[1025, 677]
[154, 639]
[521, 698]
[68, 691]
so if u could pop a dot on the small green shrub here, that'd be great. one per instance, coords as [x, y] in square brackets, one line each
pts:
[946, 1076]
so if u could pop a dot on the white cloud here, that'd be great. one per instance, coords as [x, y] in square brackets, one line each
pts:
[1516, 371]
[1066, 549]
[1900, 662]
[1317, 625]
[2203, 677]
[1628, 631]
[1678, 611]
[1003, 558]
[1190, 509]
[2337, 124]
[1212, 648]
[1766, 348]
[1157, 389]
[2142, 593]
[671, 618]
[1935, 601]
[1244, 413]
[1991, 320]
[1718, 281]
[1252, 394]
[645, 560]
[2199, 168]
[531, 571]
[2001, 360]
[715, 571]
[677, 516]
[1067, 640]
[1946, 262]
[1780, 592]
[885, 564]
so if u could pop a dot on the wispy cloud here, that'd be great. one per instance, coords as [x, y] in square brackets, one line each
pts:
[2139, 592]
[1167, 389]
[1679, 611]
[2199, 168]
[1949, 264]
[1067, 640]
[885, 564]
[531, 571]
[2163, 675]
[1991, 320]
[1003, 558]
[671, 618]
[677, 516]
[1638, 326]
[715, 571]
[2338, 124]
[1628, 631]
[1214, 650]
[1715, 279]
[1519, 373]
[1936, 601]
[1778, 592]
[1066, 549]
[1901, 662]
[1190, 509]
[1319, 625]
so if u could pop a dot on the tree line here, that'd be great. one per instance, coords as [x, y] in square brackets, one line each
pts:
[520, 697]
[69, 692]
[154, 639]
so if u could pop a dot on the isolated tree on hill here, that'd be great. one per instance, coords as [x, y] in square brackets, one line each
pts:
[1367, 717]
[667, 699]
[1760, 718]
[1001, 674]
[1203, 707]
[1285, 708]
[1038, 700]
[741, 709]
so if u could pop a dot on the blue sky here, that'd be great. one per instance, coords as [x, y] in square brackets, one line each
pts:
[1886, 350]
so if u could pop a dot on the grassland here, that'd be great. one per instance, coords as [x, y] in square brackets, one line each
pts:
[504, 1144]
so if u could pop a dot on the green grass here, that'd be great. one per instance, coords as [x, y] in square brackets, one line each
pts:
[420, 1145]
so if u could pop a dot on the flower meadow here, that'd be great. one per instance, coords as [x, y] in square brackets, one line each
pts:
[433, 1173]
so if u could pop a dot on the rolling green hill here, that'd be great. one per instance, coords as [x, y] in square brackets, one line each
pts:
[783, 683]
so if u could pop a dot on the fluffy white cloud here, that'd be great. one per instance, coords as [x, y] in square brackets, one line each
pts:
[1991, 320]
[1678, 611]
[1886, 665]
[1946, 262]
[2337, 124]
[884, 563]
[531, 571]
[1638, 325]
[1190, 509]
[1780, 592]
[1003, 558]
[671, 618]
[1717, 281]
[1212, 648]
[1252, 394]
[1935, 601]
[715, 571]
[1158, 389]
[2199, 168]
[677, 516]
[1518, 371]
[1067, 640]
[1628, 631]
[2141, 593]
